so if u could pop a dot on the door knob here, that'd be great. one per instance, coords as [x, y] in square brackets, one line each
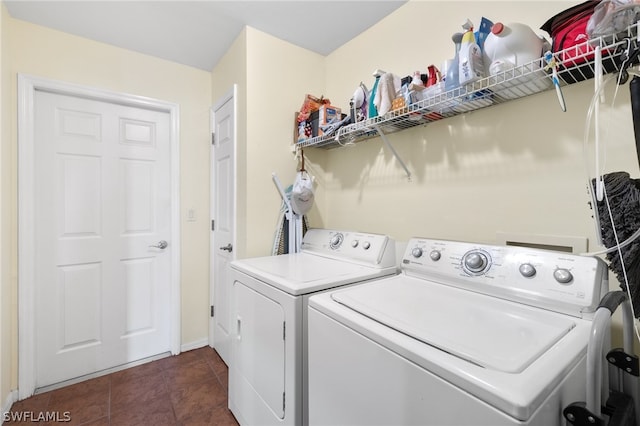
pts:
[162, 244]
[228, 248]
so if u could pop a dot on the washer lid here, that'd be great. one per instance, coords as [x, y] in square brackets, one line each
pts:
[490, 332]
[303, 273]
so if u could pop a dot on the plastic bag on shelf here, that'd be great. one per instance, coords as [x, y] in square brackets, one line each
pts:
[612, 17]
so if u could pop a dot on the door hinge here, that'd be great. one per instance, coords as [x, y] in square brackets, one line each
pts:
[284, 331]
[213, 138]
[213, 226]
[212, 310]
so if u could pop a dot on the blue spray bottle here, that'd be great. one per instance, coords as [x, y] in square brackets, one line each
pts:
[373, 111]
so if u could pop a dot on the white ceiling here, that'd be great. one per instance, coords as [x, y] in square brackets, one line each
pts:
[198, 33]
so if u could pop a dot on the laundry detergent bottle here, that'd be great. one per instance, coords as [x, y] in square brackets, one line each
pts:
[470, 67]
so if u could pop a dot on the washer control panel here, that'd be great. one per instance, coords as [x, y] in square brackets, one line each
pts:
[554, 280]
[374, 249]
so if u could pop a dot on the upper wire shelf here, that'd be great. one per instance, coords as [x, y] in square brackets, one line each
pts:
[516, 83]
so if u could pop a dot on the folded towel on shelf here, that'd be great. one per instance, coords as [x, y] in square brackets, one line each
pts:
[388, 88]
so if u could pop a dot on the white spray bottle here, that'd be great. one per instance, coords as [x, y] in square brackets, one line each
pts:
[470, 67]
[451, 79]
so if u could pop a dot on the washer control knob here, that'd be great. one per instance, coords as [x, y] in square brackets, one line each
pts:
[354, 243]
[527, 270]
[416, 252]
[435, 255]
[475, 261]
[336, 241]
[366, 245]
[563, 276]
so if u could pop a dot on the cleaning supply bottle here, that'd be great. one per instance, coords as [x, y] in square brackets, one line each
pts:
[451, 80]
[470, 67]
[417, 79]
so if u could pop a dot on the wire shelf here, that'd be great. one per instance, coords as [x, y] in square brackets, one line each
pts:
[575, 64]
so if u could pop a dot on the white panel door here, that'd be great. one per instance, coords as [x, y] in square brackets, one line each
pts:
[223, 225]
[103, 201]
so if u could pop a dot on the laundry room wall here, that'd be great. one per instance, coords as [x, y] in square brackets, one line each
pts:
[517, 167]
[51, 54]
[7, 289]
[278, 75]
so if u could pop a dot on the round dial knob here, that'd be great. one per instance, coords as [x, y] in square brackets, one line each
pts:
[354, 243]
[416, 252]
[435, 255]
[527, 270]
[336, 241]
[475, 262]
[366, 245]
[563, 276]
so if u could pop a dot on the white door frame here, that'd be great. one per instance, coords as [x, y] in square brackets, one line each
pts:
[231, 94]
[27, 86]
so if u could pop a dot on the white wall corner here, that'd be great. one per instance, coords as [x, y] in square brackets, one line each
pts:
[194, 345]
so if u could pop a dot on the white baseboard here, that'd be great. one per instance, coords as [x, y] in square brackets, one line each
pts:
[194, 345]
[8, 402]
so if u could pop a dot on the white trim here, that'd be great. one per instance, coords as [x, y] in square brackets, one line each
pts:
[195, 345]
[231, 94]
[212, 324]
[27, 86]
[8, 403]
[101, 373]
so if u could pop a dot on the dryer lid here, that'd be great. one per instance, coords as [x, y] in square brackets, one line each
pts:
[487, 331]
[304, 273]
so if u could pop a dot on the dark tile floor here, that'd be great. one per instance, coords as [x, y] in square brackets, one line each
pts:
[187, 389]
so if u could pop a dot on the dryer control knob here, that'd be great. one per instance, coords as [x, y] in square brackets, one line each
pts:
[354, 243]
[527, 270]
[416, 252]
[563, 276]
[435, 255]
[475, 261]
[366, 245]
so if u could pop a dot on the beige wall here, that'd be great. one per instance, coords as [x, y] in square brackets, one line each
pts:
[46, 53]
[278, 76]
[516, 167]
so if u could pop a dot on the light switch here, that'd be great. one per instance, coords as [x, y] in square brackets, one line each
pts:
[191, 215]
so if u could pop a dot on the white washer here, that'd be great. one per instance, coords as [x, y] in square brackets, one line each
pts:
[267, 372]
[465, 334]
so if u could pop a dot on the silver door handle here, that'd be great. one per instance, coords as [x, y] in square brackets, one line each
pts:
[228, 248]
[162, 244]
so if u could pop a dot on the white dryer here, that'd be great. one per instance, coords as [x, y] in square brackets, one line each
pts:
[466, 334]
[267, 372]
